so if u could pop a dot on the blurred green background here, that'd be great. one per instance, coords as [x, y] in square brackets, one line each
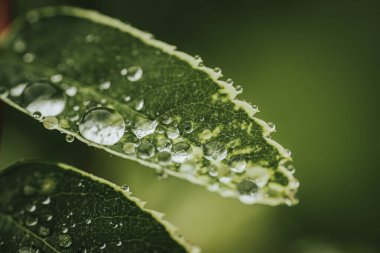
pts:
[312, 67]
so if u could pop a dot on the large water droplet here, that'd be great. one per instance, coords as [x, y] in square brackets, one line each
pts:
[164, 157]
[215, 151]
[44, 97]
[237, 164]
[144, 127]
[134, 73]
[146, 150]
[50, 123]
[172, 132]
[102, 125]
[181, 152]
[71, 91]
[64, 240]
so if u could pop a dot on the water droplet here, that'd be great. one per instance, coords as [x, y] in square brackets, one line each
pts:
[181, 152]
[71, 91]
[48, 217]
[124, 71]
[88, 221]
[164, 157]
[188, 127]
[144, 127]
[125, 188]
[239, 88]
[28, 58]
[287, 152]
[119, 243]
[215, 151]
[255, 107]
[248, 190]
[31, 221]
[166, 119]
[64, 240]
[31, 208]
[69, 138]
[139, 104]
[28, 250]
[201, 64]
[56, 78]
[229, 81]
[164, 145]
[172, 132]
[102, 125]
[146, 150]
[127, 98]
[212, 171]
[65, 230]
[37, 115]
[217, 70]
[134, 73]
[44, 97]
[43, 231]
[105, 86]
[50, 123]
[18, 90]
[129, 148]
[19, 46]
[272, 126]
[103, 246]
[237, 164]
[197, 58]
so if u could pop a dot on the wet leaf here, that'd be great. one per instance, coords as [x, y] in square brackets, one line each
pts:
[56, 208]
[116, 88]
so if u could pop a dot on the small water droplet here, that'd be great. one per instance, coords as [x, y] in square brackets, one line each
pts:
[239, 88]
[56, 78]
[31, 221]
[172, 132]
[188, 127]
[44, 97]
[125, 188]
[69, 138]
[105, 85]
[164, 157]
[119, 243]
[103, 246]
[181, 152]
[43, 231]
[215, 151]
[164, 145]
[64, 240]
[37, 115]
[146, 150]
[229, 81]
[129, 148]
[26, 249]
[139, 104]
[248, 190]
[144, 127]
[50, 123]
[272, 126]
[28, 58]
[88, 221]
[201, 64]
[31, 208]
[287, 152]
[134, 73]
[127, 98]
[217, 70]
[197, 58]
[48, 217]
[166, 119]
[71, 91]
[124, 71]
[237, 164]
[102, 125]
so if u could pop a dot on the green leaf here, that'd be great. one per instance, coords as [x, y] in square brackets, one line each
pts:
[56, 208]
[93, 77]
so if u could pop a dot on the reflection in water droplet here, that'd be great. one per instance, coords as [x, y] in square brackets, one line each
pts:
[237, 164]
[248, 190]
[181, 152]
[164, 145]
[215, 151]
[134, 73]
[50, 123]
[69, 138]
[144, 127]
[164, 157]
[64, 240]
[44, 97]
[172, 132]
[146, 150]
[129, 148]
[102, 125]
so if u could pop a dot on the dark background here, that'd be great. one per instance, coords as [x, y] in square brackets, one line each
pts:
[313, 69]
